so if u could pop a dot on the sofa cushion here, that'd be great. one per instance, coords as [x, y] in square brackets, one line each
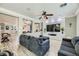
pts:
[68, 44]
[77, 48]
[74, 40]
[68, 49]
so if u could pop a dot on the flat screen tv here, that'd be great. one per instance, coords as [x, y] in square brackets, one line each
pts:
[53, 28]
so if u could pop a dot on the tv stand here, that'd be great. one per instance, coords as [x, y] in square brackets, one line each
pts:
[52, 34]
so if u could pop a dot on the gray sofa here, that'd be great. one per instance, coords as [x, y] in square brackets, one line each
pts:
[38, 45]
[69, 47]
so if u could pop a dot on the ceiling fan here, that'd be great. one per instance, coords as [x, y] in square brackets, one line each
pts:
[45, 15]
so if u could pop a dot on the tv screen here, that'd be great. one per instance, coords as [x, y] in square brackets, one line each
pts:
[53, 28]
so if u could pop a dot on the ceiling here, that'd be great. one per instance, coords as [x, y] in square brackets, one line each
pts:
[35, 9]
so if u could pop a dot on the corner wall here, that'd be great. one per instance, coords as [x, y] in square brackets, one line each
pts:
[70, 30]
[77, 33]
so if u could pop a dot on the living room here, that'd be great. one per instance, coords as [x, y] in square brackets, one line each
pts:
[38, 29]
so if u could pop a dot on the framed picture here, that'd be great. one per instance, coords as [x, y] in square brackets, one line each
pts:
[7, 27]
[14, 27]
[11, 27]
[37, 27]
[2, 26]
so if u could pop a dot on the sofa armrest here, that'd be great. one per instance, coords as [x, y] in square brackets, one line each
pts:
[65, 53]
[67, 39]
[43, 42]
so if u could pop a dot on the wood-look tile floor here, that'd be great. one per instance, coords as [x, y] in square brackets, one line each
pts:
[22, 51]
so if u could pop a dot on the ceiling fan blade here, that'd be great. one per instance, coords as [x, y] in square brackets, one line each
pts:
[49, 14]
[40, 17]
[44, 13]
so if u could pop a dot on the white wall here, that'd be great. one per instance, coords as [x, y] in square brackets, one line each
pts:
[21, 17]
[77, 33]
[70, 31]
[77, 24]
[8, 12]
[36, 34]
[59, 35]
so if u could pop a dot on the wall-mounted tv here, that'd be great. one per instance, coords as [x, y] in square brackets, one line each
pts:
[53, 28]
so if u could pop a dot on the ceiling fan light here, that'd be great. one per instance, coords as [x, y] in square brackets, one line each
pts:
[46, 21]
[46, 17]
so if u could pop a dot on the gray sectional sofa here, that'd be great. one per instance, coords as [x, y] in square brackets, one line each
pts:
[38, 45]
[69, 47]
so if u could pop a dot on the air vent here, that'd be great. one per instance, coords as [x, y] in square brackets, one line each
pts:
[64, 4]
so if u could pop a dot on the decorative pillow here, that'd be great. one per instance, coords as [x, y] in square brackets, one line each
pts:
[74, 40]
[77, 48]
